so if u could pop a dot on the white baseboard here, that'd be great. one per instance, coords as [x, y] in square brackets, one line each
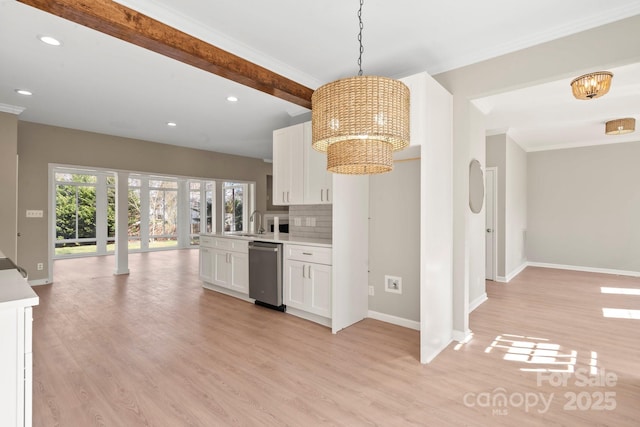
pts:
[517, 271]
[395, 320]
[39, 282]
[514, 273]
[427, 357]
[585, 269]
[231, 293]
[477, 302]
[461, 336]
[324, 321]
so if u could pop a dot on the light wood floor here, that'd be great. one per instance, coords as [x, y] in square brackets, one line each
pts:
[155, 348]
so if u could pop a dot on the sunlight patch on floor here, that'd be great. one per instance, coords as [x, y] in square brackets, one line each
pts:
[621, 313]
[620, 291]
[538, 351]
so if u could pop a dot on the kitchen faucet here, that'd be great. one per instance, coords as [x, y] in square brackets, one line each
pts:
[257, 214]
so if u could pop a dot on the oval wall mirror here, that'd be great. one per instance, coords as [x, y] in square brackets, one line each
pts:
[476, 186]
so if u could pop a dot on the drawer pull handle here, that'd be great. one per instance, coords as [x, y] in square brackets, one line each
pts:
[307, 253]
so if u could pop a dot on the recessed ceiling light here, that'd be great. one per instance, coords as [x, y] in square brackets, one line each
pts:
[49, 40]
[172, 124]
[232, 99]
[24, 92]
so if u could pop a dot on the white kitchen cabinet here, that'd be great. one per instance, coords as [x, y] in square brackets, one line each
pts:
[206, 264]
[307, 281]
[224, 262]
[300, 174]
[287, 165]
[16, 358]
[318, 182]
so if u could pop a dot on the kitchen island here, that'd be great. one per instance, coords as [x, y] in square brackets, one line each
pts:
[16, 368]
[307, 270]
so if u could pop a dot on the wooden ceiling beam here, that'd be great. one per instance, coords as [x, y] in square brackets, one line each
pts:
[119, 21]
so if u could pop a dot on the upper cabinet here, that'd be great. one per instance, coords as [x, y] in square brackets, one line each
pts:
[287, 165]
[318, 182]
[299, 172]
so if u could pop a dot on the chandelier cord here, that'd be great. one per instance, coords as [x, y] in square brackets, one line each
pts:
[360, 38]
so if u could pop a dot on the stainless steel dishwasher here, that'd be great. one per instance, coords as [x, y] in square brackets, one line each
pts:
[265, 274]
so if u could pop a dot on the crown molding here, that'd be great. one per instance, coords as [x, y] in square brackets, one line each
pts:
[12, 109]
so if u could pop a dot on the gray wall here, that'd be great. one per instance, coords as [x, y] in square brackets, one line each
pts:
[511, 160]
[8, 184]
[394, 239]
[39, 145]
[515, 208]
[584, 207]
[497, 157]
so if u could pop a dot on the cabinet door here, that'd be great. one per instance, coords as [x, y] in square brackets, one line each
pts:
[281, 169]
[294, 285]
[220, 273]
[319, 278]
[239, 272]
[317, 181]
[206, 265]
[287, 166]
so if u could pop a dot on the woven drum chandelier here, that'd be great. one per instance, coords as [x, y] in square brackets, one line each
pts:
[620, 126]
[359, 121]
[592, 85]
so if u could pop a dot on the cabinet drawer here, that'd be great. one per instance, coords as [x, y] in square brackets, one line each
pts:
[231, 244]
[206, 241]
[313, 254]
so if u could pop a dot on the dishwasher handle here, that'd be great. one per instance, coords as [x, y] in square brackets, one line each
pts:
[263, 249]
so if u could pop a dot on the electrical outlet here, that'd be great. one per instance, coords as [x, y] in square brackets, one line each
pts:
[393, 284]
[297, 222]
[40, 266]
[372, 291]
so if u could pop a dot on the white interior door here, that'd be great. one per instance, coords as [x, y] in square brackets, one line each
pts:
[490, 234]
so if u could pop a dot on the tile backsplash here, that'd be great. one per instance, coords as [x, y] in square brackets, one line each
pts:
[313, 221]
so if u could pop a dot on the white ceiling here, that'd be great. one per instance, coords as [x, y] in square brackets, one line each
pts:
[98, 83]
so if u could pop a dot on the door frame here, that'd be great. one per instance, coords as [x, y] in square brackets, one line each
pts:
[494, 225]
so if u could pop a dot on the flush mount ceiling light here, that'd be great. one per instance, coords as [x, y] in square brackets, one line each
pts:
[172, 124]
[620, 126]
[592, 85]
[24, 92]
[49, 40]
[232, 98]
[359, 121]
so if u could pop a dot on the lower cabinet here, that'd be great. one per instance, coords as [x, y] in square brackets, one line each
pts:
[307, 280]
[224, 262]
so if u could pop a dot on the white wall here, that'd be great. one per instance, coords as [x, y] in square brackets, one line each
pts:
[584, 207]
[476, 222]
[515, 208]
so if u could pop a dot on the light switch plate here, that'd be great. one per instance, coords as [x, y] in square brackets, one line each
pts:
[35, 213]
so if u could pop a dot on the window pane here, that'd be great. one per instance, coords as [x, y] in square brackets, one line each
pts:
[194, 208]
[194, 185]
[134, 182]
[86, 212]
[111, 211]
[209, 196]
[134, 213]
[66, 204]
[233, 199]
